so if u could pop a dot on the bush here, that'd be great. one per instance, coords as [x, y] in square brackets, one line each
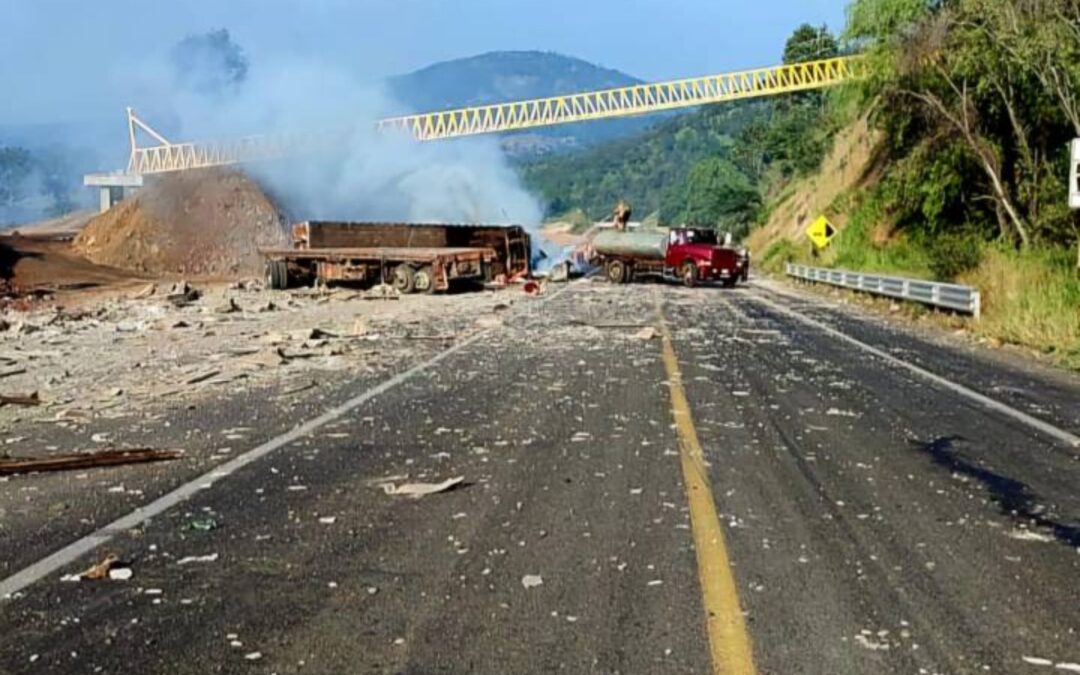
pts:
[779, 253]
[954, 254]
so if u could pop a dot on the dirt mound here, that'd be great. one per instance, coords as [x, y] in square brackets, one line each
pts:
[200, 223]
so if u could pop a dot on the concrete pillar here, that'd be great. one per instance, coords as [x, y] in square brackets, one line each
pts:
[113, 188]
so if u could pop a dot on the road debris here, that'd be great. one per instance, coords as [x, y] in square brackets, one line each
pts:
[31, 399]
[182, 294]
[381, 292]
[109, 567]
[532, 580]
[230, 306]
[121, 573]
[197, 559]
[418, 490]
[532, 288]
[85, 460]
[146, 292]
[202, 524]
[646, 333]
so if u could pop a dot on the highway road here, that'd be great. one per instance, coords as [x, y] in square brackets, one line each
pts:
[772, 483]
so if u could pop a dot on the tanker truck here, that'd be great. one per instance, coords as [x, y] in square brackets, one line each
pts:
[683, 254]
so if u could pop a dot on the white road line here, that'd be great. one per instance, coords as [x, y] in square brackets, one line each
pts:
[65, 556]
[985, 401]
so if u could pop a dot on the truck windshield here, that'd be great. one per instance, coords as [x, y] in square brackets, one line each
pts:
[695, 237]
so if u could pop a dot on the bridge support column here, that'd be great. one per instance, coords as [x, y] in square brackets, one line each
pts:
[114, 187]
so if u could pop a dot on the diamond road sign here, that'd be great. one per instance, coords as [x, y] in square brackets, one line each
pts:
[821, 232]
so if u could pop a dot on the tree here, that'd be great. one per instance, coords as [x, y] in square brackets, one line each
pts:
[716, 194]
[994, 76]
[810, 44]
[882, 22]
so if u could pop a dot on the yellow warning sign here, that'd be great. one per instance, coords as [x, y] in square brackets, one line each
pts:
[821, 232]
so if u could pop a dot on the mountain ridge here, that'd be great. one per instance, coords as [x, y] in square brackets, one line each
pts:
[504, 76]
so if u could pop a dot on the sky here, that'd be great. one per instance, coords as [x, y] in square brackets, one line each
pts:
[66, 60]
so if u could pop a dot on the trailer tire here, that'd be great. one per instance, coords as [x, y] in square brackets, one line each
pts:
[404, 279]
[277, 274]
[424, 280]
[689, 274]
[617, 272]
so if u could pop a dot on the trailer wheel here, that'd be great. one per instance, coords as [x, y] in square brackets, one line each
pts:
[617, 272]
[404, 279]
[277, 274]
[424, 280]
[689, 274]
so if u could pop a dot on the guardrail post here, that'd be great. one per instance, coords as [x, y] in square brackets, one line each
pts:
[906, 289]
[976, 304]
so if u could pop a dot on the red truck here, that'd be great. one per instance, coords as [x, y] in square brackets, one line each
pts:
[686, 254]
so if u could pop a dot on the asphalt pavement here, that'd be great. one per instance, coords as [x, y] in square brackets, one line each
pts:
[622, 451]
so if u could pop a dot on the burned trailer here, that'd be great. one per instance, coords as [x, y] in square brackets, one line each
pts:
[412, 257]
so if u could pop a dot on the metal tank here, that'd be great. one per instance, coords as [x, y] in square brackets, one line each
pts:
[639, 244]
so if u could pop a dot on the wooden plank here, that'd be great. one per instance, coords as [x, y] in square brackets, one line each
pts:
[88, 460]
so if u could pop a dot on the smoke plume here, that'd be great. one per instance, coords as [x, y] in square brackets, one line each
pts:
[346, 170]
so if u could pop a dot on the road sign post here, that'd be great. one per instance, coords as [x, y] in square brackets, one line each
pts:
[1074, 174]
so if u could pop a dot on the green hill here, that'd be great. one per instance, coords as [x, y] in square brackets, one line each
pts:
[497, 77]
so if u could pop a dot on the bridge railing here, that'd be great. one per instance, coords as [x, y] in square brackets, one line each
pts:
[965, 299]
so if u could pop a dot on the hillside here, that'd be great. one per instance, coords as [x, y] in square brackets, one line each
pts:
[953, 166]
[497, 77]
[648, 170]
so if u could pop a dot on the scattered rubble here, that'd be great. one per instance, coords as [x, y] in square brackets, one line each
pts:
[122, 350]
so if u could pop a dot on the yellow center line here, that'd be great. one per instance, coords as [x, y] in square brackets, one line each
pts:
[729, 641]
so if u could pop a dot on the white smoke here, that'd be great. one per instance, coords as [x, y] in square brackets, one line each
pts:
[351, 172]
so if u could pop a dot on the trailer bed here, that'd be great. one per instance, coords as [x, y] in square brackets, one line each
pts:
[409, 269]
[376, 253]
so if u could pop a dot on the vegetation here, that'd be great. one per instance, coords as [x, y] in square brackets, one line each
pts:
[978, 100]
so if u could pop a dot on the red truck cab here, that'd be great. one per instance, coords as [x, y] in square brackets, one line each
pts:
[694, 255]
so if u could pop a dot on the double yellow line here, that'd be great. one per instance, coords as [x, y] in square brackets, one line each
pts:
[729, 641]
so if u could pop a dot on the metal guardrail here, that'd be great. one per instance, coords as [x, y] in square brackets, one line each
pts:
[949, 296]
